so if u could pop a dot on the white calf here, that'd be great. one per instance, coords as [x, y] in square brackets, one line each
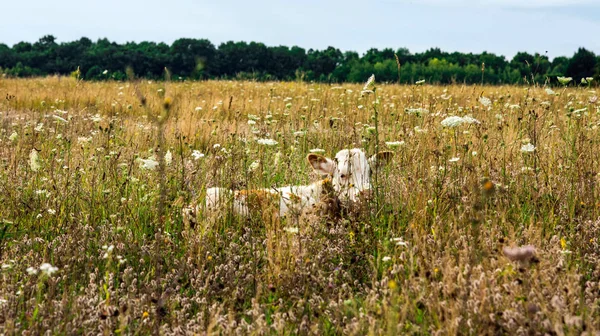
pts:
[349, 175]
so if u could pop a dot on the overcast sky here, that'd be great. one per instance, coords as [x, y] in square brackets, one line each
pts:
[504, 27]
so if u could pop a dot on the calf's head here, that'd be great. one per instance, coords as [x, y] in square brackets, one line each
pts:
[350, 170]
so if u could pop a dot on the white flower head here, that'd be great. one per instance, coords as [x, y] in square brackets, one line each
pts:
[528, 148]
[317, 150]
[470, 120]
[550, 91]
[33, 160]
[267, 142]
[454, 159]
[48, 269]
[417, 111]
[370, 84]
[196, 154]
[564, 80]
[394, 144]
[168, 157]
[399, 242]
[386, 258]
[420, 82]
[485, 101]
[453, 121]
[149, 164]
[290, 229]
[32, 270]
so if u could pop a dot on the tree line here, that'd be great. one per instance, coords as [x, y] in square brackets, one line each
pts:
[188, 58]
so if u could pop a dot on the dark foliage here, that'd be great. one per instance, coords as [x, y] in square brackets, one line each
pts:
[189, 58]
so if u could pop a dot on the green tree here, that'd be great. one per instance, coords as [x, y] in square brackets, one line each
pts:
[582, 64]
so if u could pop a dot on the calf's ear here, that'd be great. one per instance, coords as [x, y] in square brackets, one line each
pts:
[380, 159]
[321, 164]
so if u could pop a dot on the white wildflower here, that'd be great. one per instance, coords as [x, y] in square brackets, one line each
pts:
[33, 160]
[52, 211]
[290, 229]
[550, 91]
[528, 148]
[417, 111]
[399, 242]
[564, 80]
[251, 122]
[48, 269]
[149, 163]
[299, 133]
[317, 150]
[454, 159]
[31, 270]
[485, 101]
[267, 142]
[394, 144]
[420, 82]
[370, 84]
[168, 157]
[453, 121]
[470, 120]
[39, 127]
[386, 258]
[196, 154]
[104, 72]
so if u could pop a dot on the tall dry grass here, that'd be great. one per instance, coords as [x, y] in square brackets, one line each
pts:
[426, 257]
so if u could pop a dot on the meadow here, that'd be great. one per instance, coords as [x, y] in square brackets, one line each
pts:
[94, 177]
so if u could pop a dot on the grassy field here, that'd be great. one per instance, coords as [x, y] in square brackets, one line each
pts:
[93, 178]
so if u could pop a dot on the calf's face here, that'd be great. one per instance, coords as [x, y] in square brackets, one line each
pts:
[350, 171]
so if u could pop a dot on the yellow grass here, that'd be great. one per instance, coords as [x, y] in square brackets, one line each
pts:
[343, 273]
